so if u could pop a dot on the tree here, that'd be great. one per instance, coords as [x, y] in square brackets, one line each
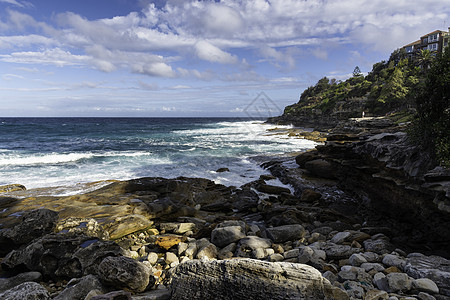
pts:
[394, 91]
[357, 72]
[425, 58]
[432, 127]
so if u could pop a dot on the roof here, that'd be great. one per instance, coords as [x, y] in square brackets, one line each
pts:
[413, 43]
[436, 31]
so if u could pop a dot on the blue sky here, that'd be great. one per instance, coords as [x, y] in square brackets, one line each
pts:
[192, 58]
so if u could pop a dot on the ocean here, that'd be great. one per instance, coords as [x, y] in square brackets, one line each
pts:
[70, 152]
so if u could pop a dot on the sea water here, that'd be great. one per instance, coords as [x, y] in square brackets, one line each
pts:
[47, 152]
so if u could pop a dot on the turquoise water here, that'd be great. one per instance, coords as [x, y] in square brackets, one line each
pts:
[45, 152]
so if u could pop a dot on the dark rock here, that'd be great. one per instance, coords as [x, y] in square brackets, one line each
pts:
[321, 168]
[305, 157]
[247, 279]
[286, 233]
[226, 235]
[8, 283]
[26, 291]
[61, 255]
[79, 288]
[125, 273]
[310, 196]
[33, 224]
[116, 295]
[272, 189]
[221, 170]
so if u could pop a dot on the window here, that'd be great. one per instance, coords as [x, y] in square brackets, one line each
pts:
[432, 38]
[433, 47]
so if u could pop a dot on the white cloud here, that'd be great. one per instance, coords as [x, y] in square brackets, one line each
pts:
[54, 56]
[209, 52]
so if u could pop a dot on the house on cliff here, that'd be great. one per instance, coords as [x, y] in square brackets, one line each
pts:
[435, 42]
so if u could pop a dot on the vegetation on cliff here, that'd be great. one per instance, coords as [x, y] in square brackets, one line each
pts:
[402, 88]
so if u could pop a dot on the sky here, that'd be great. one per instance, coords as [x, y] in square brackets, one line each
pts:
[223, 58]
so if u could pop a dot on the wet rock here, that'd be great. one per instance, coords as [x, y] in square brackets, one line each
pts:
[79, 288]
[26, 291]
[125, 273]
[286, 233]
[8, 283]
[310, 196]
[86, 226]
[12, 188]
[236, 279]
[221, 170]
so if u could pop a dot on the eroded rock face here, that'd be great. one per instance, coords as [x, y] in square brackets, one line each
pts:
[247, 279]
[432, 267]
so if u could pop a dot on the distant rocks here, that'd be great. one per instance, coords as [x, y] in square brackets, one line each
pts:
[11, 188]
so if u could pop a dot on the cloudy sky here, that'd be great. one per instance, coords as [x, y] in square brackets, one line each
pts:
[192, 58]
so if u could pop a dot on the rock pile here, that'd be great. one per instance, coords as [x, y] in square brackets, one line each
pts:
[190, 238]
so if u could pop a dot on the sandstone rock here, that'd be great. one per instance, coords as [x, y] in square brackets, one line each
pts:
[12, 188]
[227, 252]
[177, 228]
[128, 224]
[168, 241]
[152, 258]
[125, 273]
[425, 285]
[170, 258]
[247, 279]
[286, 233]
[376, 295]
[79, 288]
[276, 257]
[425, 296]
[86, 226]
[226, 235]
[26, 291]
[8, 283]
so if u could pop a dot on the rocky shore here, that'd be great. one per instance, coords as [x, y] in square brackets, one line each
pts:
[363, 216]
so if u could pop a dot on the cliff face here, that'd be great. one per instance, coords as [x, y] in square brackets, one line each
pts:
[398, 182]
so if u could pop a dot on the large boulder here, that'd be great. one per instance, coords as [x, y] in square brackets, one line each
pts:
[247, 279]
[61, 255]
[125, 273]
[78, 288]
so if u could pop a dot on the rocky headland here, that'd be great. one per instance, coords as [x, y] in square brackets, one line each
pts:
[365, 215]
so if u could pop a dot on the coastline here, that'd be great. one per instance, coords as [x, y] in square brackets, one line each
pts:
[169, 226]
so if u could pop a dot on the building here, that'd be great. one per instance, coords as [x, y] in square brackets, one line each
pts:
[435, 42]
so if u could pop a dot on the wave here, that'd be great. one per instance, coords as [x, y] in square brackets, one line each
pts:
[60, 158]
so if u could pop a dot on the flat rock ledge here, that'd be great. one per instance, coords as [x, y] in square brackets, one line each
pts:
[247, 279]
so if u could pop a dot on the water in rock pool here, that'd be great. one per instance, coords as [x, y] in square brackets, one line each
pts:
[44, 152]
